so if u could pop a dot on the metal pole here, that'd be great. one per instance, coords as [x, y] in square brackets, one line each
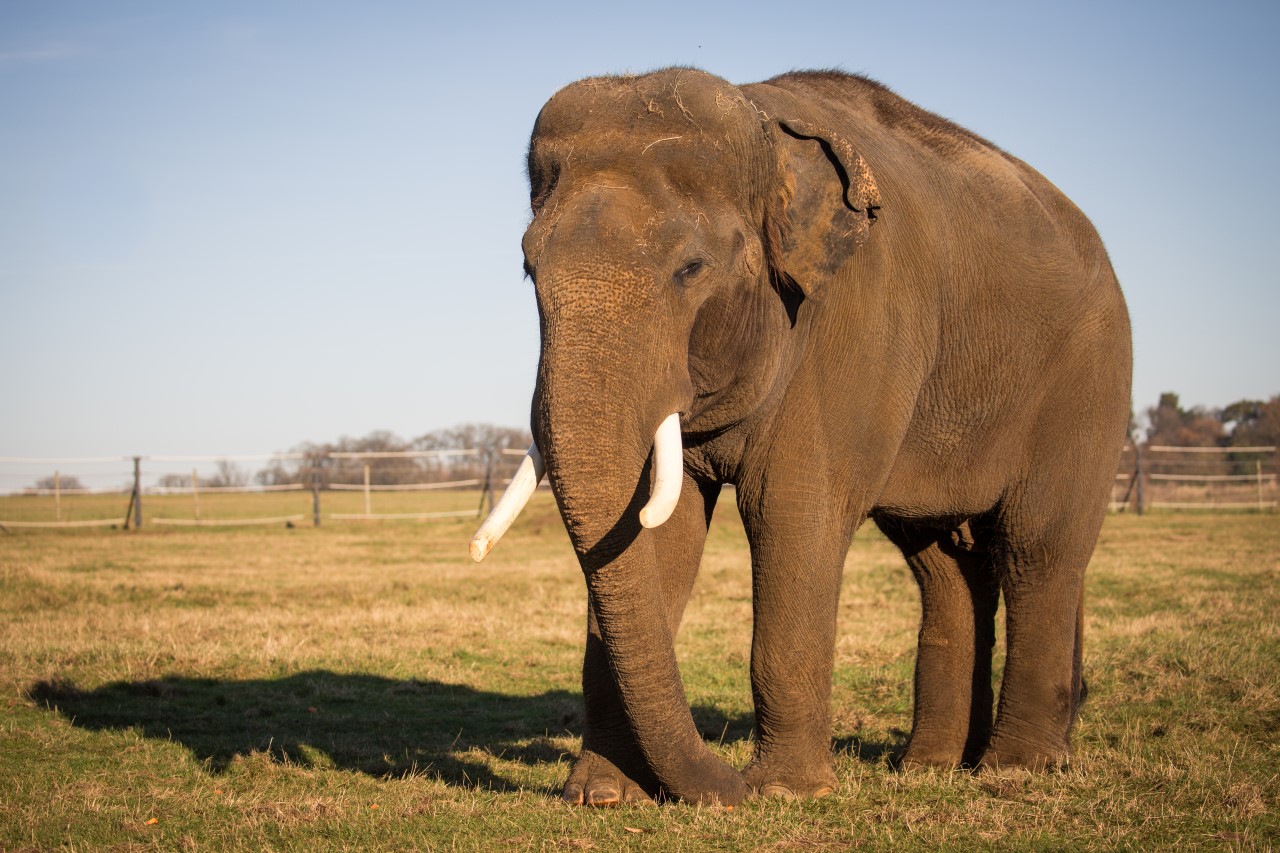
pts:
[57, 495]
[195, 491]
[137, 493]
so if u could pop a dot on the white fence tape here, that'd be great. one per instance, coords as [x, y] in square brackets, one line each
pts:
[225, 522]
[402, 487]
[374, 516]
[96, 522]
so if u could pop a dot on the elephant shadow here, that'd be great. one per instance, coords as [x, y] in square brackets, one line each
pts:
[874, 751]
[370, 724]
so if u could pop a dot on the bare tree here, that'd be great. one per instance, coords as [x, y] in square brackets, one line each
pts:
[228, 475]
[64, 482]
[487, 438]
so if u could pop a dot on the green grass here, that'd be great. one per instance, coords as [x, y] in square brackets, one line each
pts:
[365, 685]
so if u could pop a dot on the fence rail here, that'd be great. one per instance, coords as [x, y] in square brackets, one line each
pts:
[228, 522]
[384, 485]
[1163, 477]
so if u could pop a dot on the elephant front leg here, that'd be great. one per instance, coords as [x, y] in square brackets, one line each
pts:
[795, 597]
[611, 769]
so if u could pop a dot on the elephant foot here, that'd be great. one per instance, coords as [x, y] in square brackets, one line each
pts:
[924, 758]
[1009, 752]
[596, 781]
[943, 750]
[790, 782]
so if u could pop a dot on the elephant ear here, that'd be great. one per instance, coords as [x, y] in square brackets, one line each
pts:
[825, 209]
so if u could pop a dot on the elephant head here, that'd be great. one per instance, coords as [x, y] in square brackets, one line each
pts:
[678, 231]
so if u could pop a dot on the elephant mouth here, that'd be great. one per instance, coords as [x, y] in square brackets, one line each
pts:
[668, 467]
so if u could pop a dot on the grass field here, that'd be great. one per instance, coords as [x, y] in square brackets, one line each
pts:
[365, 685]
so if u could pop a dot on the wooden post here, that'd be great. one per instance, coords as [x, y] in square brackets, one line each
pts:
[137, 493]
[195, 491]
[57, 495]
[1128, 492]
[368, 507]
[1141, 475]
[1258, 463]
[488, 479]
[315, 493]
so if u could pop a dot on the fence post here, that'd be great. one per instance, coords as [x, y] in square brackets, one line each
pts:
[368, 505]
[137, 493]
[315, 497]
[314, 459]
[487, 489]
[1140, 475]
[57, 495]
[1258, 463]
[488, 476]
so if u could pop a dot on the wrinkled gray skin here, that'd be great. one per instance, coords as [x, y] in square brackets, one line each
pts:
[860, 310]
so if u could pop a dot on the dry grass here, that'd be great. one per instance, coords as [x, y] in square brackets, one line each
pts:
[366, 686]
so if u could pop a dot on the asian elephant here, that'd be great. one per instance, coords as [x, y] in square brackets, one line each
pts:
[848, 308]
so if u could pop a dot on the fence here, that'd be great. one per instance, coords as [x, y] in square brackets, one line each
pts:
[1160, 477]
[291, 488]
[301, 488]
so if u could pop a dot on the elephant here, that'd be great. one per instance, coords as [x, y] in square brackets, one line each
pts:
[848, 308]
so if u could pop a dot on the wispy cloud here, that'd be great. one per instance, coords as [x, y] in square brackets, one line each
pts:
[46, 53]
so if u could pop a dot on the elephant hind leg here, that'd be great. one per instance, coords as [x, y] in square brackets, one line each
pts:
[959, 593]
[1042, 578]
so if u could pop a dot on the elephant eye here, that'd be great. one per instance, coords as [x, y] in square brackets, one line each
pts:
[689, 270]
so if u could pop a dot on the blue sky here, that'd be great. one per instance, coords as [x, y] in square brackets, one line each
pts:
[233, 227]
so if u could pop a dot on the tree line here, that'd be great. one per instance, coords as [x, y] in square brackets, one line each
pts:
[1244, 423]
[319, 460]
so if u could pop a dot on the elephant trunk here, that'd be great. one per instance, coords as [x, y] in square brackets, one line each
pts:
[599, 409]
[629, 608]
[601, 486]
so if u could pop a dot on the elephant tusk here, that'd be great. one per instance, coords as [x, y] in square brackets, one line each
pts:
[668, 473]
[522, 486]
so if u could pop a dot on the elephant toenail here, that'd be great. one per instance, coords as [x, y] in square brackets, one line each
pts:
[572, 795]
[637, 797]
[777, 790]
[604, 796]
